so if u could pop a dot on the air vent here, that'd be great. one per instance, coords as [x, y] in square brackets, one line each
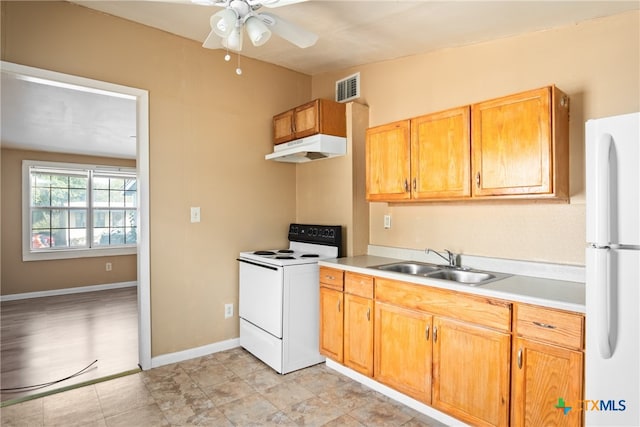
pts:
[348, 88]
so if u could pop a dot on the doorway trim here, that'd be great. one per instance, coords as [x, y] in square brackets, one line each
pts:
[142, 167]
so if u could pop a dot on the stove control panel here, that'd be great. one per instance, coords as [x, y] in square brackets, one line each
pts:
[320, 234]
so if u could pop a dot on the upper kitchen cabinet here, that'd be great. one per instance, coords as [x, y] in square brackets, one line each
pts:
[424, 158]
[388, 166]
[520, 145]
[440, 155]
[318, 116]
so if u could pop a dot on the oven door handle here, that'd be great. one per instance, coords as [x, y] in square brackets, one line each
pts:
[258, 265]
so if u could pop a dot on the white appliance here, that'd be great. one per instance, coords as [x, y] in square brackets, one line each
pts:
[280, 298]
[612, 366]
[314, 147]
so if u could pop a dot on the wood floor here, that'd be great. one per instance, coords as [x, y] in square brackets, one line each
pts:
[47, 339]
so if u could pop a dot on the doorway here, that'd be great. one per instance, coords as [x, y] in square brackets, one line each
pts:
[142, 170]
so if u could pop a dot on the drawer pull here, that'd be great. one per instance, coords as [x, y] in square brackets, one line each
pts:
[426, 333]
[544, 325]
[330, 277]
[520, 358]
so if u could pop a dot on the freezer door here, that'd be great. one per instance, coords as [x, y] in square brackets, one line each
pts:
[613, 180]
[612, 376]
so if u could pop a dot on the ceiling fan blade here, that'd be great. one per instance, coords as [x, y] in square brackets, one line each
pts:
[289, 31]
[212, 41]
[275, 3]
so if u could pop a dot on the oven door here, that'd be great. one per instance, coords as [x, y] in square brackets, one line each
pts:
[261, 295]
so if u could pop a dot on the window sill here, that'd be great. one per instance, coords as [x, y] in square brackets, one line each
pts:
[77, 253]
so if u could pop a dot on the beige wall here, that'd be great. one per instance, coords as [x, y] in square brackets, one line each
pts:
[596, 63]
[33, 276]
[332, 191]
[209, 132]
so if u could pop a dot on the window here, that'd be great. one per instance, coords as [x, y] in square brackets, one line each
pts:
[75, 210]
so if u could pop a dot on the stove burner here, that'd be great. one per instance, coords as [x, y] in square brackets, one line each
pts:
[285, 251]
[264, 253]
[309, 256]
[284, 257]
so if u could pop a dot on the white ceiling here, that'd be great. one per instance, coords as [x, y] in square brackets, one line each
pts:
[351, 33]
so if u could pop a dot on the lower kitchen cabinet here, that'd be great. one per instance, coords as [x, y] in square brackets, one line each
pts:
[542, 375]
[402, 350]
[548, 367]
[471, 372]
[358, 333]
[331, 313]
[332, 323]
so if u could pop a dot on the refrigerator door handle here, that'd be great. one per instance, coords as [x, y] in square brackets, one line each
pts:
[602, 187]
[603, 303]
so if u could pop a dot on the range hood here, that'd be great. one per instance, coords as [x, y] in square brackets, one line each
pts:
[314, 147]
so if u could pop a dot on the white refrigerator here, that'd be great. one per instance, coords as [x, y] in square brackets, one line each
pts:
[612, 355]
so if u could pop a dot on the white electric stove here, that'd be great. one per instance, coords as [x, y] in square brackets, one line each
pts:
[279, 297]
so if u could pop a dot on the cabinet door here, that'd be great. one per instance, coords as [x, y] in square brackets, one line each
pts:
[402, 350]
[358, 334]
[388, 162]
[283, 127]
[546, 378]
[471, 372]
[512, 144]
[331, 323]
[440, 155]
[307, 119]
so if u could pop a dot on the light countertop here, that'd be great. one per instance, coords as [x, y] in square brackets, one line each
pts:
[559, 294]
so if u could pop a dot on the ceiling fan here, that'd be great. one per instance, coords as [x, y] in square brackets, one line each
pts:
[227, 25]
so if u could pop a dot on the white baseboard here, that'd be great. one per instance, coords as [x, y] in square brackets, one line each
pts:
[192, 353]
[67, 291]
[395, 395]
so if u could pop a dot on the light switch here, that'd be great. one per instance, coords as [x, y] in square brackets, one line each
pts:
[195, 214]
[387, 221]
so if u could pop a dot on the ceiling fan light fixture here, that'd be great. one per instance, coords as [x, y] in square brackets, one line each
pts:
[224, 22]
[258, 32]
[234, 41]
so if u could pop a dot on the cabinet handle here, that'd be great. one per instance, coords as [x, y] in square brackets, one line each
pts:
[478, 180]
[426, 333]
[544, 325]
[435, 333]
[406, 186]
[520, 358]
[414, 184]
[338, 306]
[330, 277]
[369, 314]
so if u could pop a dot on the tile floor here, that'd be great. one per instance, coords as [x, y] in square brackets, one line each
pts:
[230, 388]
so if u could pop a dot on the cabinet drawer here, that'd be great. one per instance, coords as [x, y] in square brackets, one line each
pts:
[332, 278]
[546, 324]
[358, 284]
[484, 311]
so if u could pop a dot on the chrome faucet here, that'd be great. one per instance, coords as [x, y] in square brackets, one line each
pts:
[451, 257]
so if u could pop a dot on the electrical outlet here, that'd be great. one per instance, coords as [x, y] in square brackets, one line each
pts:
[228, 311]
[387, 221]
[108, 266]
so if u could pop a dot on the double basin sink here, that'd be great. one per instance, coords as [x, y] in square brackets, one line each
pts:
[443, 272]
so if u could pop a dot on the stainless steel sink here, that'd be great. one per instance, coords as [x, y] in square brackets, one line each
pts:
[442, 272]
[462, 276]
[414, 268]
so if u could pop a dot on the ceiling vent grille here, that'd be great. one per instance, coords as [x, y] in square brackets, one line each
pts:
[348, 88]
